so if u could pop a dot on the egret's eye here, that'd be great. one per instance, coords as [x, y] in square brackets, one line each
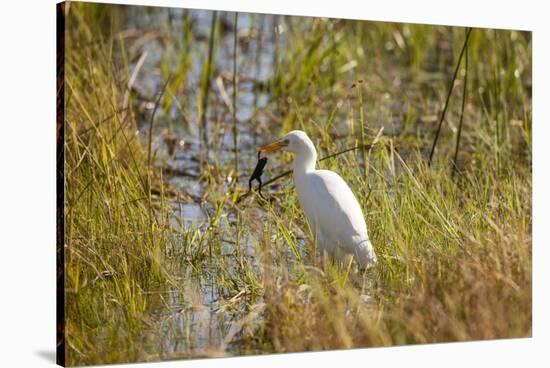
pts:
[286, 142]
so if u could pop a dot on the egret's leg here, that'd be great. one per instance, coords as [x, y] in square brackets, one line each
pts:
[321, 242]
[321, 245]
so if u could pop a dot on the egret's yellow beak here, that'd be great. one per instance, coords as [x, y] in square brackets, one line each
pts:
[273, 147]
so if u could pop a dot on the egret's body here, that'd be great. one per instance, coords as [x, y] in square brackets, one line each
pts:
[331, 209]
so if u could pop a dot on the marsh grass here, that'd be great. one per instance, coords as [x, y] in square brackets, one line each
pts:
[146, 282]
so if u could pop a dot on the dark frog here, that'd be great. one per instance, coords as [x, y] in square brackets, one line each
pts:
[257, 174]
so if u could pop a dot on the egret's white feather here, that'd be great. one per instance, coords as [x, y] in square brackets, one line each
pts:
[334, 215]
[331, 209]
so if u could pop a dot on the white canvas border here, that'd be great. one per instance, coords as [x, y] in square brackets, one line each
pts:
[27, 182]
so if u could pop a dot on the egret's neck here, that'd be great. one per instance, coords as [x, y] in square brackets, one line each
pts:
[304, 161]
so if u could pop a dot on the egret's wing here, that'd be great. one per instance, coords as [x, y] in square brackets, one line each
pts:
[335, 209]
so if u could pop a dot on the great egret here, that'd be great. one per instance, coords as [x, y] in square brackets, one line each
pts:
[331, 209]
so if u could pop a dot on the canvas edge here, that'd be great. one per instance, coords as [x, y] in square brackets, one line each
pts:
[60, 173]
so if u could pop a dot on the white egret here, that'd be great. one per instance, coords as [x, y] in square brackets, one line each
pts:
[331, 209]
